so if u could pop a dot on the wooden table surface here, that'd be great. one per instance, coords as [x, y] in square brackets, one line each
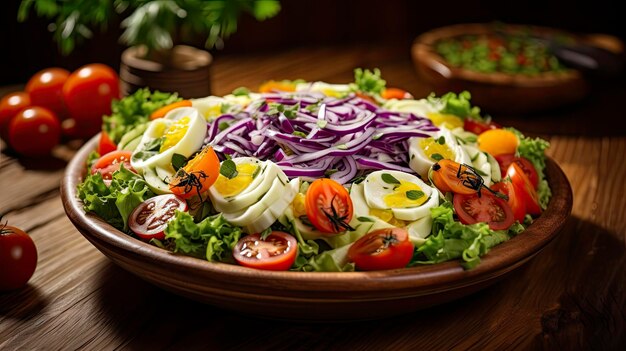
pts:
[570, 296]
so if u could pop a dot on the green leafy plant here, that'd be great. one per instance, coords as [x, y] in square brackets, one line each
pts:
[157, 24]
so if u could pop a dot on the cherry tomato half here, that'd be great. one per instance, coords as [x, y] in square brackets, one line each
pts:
[150, 218]
[88, 93]
[518, 206]
[109, 163]
[160, 113]
[328, 206]
[505, 161]
[205, 168]
[484, 208]
[18, 257]
[276, 253]
[524, 189]
[478, 127]
[34, 131]
[10, 105]
[395, 93]
[388, 248]
[448, 175]
[46, 89]
[105, 145]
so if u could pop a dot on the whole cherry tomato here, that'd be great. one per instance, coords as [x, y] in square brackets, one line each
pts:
[18, 257]
[34, 131]
[46, 89]
[10, 105]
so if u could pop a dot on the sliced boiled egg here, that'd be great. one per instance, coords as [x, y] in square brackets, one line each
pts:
[332, 90]
[424, 152]
[181, 131]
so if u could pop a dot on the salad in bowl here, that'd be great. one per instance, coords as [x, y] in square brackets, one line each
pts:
[312, 176]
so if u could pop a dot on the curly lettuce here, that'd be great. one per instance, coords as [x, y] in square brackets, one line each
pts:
[213, 238]
[114, 202]
[133, 110]
[456, 104]
[451, 239]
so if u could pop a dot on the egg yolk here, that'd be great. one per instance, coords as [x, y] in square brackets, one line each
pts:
[212, 112]
[298, 206]
[498, 142]
[231, 187]
[432, 146]
[331, 92]
[387, 216]
[448, 121]
[406, 194]
[175, 133]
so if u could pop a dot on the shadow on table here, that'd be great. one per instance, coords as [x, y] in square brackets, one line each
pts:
[23, 304]
[570, 296]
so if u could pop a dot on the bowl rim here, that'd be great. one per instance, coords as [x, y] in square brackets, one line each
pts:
[414, 280]
[423, 51]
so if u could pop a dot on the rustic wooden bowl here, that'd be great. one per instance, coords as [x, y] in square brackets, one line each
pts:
[495, 92]
[313, 296]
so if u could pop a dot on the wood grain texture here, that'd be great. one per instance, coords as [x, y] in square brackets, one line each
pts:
[570, 296]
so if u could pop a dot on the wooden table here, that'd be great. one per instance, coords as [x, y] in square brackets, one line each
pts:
[571, 296]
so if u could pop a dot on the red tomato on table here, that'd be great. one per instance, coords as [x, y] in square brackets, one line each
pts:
[18, 257]
[10, 105]
[46, 89]
[34, 131]
[88, 93]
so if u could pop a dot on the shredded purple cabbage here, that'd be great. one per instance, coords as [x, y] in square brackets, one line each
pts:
[319, 135]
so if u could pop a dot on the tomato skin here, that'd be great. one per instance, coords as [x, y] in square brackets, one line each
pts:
[473, 209]
[205, 162]
[444, 175]
[109, 163]
[10, 105]
[388, 248]
[505, 161]
[46, 89]
[395, 93]
[324, 195]
[518, 206]
[18, 258]
[34, 132]
[88, 93]
[150, 218]
[105, 145]
[160, 113]
[250, 247]
[478, 127]
[524, 189]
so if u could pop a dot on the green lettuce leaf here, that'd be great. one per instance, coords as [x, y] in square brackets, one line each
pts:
[534, 150]
[213, 238]
[451, 239]
[134, 110]
[115, 202]
[458, 105]
[367, 81]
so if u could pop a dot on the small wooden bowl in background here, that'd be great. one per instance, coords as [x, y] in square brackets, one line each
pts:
[321, 296]
[495, 92]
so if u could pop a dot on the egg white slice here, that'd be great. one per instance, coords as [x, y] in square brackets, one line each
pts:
[420, 230]
[247, 216]
[275, 210]
[250, 194]
[421, 163]
[190, 142]
[375, 187]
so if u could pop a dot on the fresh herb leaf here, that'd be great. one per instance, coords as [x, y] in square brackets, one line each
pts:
[265, 233]
[414, 194]
[178, 161]
[367, 81]
[256, 172]
[441, 140]
[241, 91]
[223, 125]
[228, 169]
[154, 144]
[330, 172]
[389, 179]
[364, 219]
[299, 133]
[436, 157]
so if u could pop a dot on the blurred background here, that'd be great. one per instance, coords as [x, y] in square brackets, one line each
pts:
[28, 46]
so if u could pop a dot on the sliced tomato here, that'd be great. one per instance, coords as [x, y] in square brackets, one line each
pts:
[160, 113]
[109, 163]
[448, 175]
[518, 206]
[328, 206]
[524, 189]
[395, 93]
[486, 208]
[198, 175]
[388, 248]
[150, 218]
[105, 145]
[505, 161]
[276, 253]
[478, 127]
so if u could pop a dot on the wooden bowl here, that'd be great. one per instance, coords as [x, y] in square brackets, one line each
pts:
[495, 92]
[311, 295]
